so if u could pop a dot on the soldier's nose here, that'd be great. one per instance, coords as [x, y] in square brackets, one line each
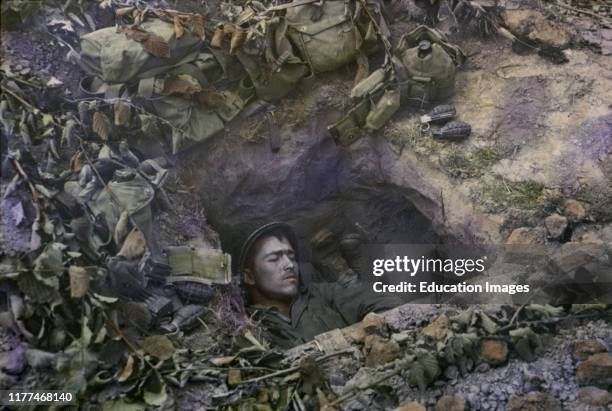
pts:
[288, 263]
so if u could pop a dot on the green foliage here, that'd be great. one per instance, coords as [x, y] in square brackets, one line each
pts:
[462, 164]
[514, 194]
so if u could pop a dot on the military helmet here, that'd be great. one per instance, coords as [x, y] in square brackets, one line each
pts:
[262, 231]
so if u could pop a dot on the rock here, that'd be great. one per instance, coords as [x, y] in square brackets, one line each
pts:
[372, 323]
[596, 370]
[555, 225]
[534, 401]
[451, 372]
[379, 350]
[451, 403]
[410, 406]
[484, 367]
[574, 211]
[524, 244]
[493, 351]
[583, 349]
[594, 396]
[573, 255]
[533, 26]
[438, 328]
[527, 236]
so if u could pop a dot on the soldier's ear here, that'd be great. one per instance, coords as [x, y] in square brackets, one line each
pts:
[249, 278]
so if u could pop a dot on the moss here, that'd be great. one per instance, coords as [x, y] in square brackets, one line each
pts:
[414, 138]
[470, 165]
[527, 194]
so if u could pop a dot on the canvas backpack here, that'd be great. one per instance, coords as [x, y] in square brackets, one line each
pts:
[174, 81]
[332, 33]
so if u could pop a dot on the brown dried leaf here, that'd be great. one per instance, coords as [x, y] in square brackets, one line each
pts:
[233, 376]
[217, 40]
[179, 30]
[101, 125]
[123, 11]
[209, 97]
[127, 370]
[156, 46]
[121, 229]
[197, 26]
[76, 162]
[180, 86]
[135, 33]
[122, 113]
[363, 68]
[159, 346]
[134, 245]
[139, 16]
[79, 281]
[223, 361]
[238, 36]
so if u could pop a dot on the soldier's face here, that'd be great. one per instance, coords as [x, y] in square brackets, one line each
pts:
[274, 274]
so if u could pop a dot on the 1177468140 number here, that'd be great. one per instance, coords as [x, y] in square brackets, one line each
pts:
[36, 397]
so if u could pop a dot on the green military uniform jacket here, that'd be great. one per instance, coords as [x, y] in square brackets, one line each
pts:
[319, 308]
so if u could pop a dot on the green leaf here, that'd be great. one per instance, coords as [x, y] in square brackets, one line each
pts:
[156, 398]
[488, 324]
[120, 404]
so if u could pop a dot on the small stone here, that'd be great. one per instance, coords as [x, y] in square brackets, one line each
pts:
[583, 349]
[410, 406]
[555, 225]
[372, 323]
[574, 211]
[483, 367]
[451, 372]
[594, 396]
[574, 255]
[493, 351]
[534, 401]
[527, 235]
[525, 244]
[438, 328]
[596, 370]
[379, 350]
[451, 403]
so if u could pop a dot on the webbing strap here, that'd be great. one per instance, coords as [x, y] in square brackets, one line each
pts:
[146, 86]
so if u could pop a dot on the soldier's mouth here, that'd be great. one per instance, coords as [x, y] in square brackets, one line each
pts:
[292, 278]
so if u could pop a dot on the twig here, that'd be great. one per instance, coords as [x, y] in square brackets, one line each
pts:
[272, 375]
[552, 320]
[588, 13]
[354, 390]
[27, 104]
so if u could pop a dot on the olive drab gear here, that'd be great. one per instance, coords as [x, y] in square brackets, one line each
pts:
[324, 33]
[197, 87]
[279, 70]
[194, 272]
[421, 71]
[177, 87]
[115, 58]
[319, 308]
[454, 131]
[430, 61]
